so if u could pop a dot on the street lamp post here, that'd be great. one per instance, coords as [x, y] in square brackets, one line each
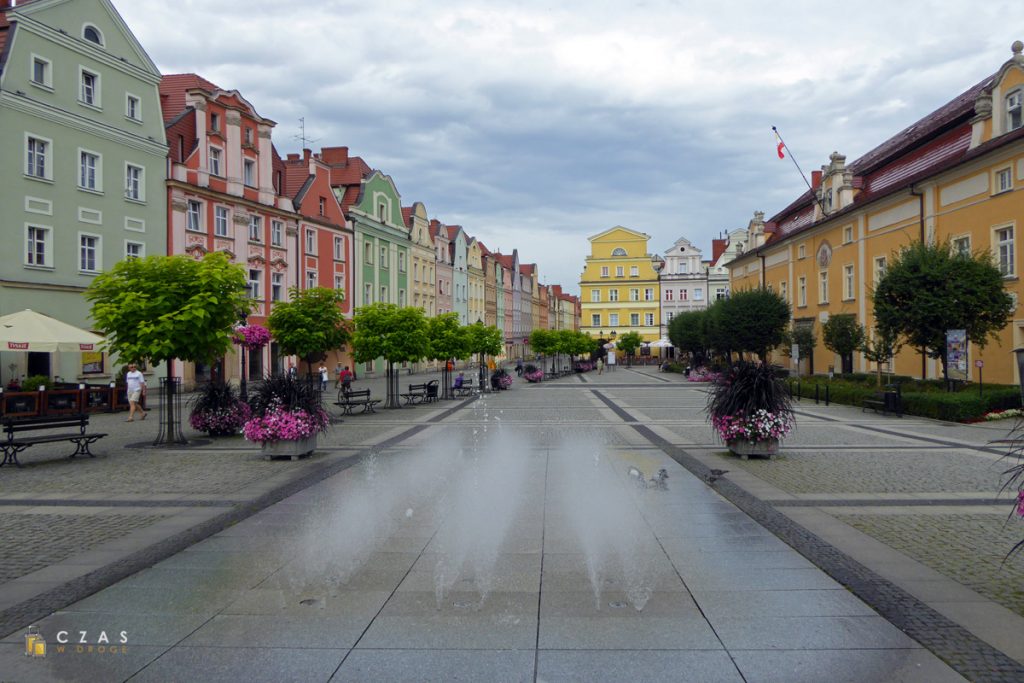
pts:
[480, 371]
[243, 389]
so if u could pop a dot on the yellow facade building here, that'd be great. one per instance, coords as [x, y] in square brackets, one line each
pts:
[619, 286]
[956, 175]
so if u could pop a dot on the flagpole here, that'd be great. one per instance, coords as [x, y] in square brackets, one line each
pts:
[801, 171]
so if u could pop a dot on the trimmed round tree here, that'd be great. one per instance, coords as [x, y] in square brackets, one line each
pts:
[398, 335]
[629, 343]
[929, 289]
[485, 340]
[842, 335]
[755, 319]
[687, 331]
[310, 324]
[166, 308]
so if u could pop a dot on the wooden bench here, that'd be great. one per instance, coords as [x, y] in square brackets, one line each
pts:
[13, 443]
[421, 393]
[884, 402]
[350, 400]
[466, 389]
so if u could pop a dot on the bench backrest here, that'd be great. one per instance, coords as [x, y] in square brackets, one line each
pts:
[25, 424]
[364, 393]
[417, 387]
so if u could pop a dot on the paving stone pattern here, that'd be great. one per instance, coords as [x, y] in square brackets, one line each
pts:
[969, 549]
[35, 541]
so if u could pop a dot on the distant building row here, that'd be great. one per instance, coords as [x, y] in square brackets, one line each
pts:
[107, 159]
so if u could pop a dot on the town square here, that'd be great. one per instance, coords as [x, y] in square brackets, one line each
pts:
[527, 349]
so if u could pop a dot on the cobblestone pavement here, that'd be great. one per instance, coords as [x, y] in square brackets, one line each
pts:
[259, 598]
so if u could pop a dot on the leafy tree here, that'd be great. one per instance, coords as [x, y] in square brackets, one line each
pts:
[447, 339]
[716, 331]
[310, 325]
[580, 343]
[843, 335]
[803, 336]
[688, 332]
[756, 320]
[164, 308]
[929, 289]
[395, 334]
[880, 349]
[485, 340]
[629, 343]
[545, 343]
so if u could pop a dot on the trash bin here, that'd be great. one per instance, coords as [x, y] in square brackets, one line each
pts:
[892, 399]
[687, 370]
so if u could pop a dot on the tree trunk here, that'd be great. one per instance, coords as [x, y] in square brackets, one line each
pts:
[392, 399]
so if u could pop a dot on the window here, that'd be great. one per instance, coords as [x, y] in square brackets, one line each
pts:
[133, 107]
[88, 253]
[88, 171]
[801, 291]
[634, 319]
[41, 72]
[194, 215]
[634, 295]
[1004, 180]
[323, 206]
[879, 269]
[613, 295]
[310, 279]
[248, 136]
[649, 294]
[134, 250]
[698, 294]
[801, 251]
[339, 248]
[383, 294]
[784, 291]
[604, 271]
[384, 257]
[254, 283]
[619, 251]
[595, 320]
[220, 221]
[277, 233]
[847, 234]
[683, 268]
[249, 173]
[368, 252]
[92, 34]
[401, 262]
[721, 293]
[368, 294]
[823, 287]
[401, 298]
[848, 282]
[311, 241]
[649, 319]
[613, 319]
[133, 187]
[634, 271]
[962, 245]
[1014, 115]
[213, 164]
[276, 286]
[683, 293]
[1004, 242]
[37, 162]
[89, 89]
[37, 246]
[255, 228]
[668, 295]
[382, 212]
[215, 122]
[618, 271]
[339, 282]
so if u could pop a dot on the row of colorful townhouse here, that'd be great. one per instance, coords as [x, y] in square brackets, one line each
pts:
[105, 158]
[956, 175]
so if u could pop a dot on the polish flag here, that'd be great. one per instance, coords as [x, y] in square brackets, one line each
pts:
[779, 146]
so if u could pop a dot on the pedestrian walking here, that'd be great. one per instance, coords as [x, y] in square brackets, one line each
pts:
[136, 382]
[519, 367]
[600, 366]
[323, 377]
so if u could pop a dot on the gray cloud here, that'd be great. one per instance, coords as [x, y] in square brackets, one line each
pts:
[536, 126]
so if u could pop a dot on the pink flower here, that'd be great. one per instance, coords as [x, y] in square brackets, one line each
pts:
[252, 337]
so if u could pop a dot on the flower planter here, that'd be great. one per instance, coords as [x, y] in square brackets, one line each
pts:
[745, 449]
[292, 449]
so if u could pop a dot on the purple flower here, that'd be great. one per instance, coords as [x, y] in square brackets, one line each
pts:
[1020, 502]
[252, 337]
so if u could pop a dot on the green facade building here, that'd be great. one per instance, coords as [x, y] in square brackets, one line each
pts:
[82, 165]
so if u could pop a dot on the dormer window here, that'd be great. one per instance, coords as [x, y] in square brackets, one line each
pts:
[92, 34]
[619, 251]
[1015, 110]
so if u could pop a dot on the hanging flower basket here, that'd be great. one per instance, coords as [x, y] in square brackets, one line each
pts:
[252, 337]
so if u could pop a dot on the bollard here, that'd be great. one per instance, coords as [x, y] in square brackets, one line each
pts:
[799, 391]
[816, 387]
[826, 394]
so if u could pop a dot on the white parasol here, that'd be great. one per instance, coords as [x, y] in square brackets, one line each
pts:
[661, 344]
[30, 331]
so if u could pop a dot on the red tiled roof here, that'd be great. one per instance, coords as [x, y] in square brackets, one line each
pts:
[527, 268]
[717, 249]
[936, 141]
[407, 216]
[483, 249]
[506, 261]
[4, 30]
[453, 230]
[185, 128]
[296, 173]
[172, 92]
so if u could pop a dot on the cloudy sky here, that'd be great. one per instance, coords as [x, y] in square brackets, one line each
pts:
[537, 124]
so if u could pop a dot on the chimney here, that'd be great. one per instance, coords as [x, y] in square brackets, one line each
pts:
[306, 153]
[293, 157]
[815, 180]
[335, 155]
